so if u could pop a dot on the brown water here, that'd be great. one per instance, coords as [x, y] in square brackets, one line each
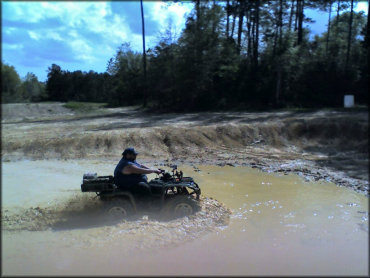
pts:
[279, 225]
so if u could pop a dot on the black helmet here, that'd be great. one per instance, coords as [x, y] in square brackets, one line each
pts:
[129, 150]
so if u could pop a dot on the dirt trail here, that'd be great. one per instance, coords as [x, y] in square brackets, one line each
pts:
[329, 145]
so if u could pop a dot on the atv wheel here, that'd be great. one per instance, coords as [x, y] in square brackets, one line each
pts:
[119, 208]
[180, 206]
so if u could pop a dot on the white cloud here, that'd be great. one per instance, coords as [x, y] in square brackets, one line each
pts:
[78, 18]
[174, 13]
[82, 49]
[50, 34]
[94, 17]
[33, 35]
[12, 46]
[24, 11]
[362, 6]
[178, 12]
[90, 29]
[9, 30]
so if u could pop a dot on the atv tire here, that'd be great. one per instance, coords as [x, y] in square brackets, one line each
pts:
[180, 206]
[119, 208]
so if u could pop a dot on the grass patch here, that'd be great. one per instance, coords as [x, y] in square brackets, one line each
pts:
[84, 106]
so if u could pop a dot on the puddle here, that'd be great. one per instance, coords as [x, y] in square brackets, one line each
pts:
[280, 225]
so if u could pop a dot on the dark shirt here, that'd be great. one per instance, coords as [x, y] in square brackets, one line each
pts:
[127, 181]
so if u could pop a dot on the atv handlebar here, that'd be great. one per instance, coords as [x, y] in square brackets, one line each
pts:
[161, 172]
[166, 175]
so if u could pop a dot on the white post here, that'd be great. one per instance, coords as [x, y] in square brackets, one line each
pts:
[349, 101]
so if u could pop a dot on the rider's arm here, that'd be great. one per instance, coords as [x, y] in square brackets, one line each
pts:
[143, 166]
[133, 169]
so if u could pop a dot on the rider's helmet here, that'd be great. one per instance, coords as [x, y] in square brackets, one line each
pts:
[130, 150]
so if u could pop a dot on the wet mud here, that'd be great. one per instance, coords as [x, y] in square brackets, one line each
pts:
[86, 211]
[248, 218]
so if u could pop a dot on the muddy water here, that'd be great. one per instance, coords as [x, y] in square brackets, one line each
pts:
[279, 225]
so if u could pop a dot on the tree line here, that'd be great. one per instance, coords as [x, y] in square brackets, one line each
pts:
[14, 89]
[235, 54]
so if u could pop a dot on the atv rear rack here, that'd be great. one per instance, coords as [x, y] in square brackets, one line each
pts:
[97, 183]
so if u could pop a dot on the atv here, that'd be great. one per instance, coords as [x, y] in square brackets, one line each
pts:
[173, 195]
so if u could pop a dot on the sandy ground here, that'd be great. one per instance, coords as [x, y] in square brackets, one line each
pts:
[320, 145]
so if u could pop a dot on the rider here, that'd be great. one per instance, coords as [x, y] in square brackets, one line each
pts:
[130, 175]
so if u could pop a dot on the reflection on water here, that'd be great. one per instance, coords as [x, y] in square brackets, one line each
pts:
[279, 225]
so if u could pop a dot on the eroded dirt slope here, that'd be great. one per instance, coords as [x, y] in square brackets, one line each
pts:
[319, 145]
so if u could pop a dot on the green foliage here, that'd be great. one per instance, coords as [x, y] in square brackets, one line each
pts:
[31, 89]
[15, 90]
[127, 77]
[264, 58]
[77, 86]
[10, 84]
[204, 69]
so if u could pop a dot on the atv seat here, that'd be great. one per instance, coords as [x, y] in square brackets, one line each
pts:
[142, 189]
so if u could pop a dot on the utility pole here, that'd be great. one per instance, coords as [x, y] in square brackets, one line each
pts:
[144, 54]
[349, 37]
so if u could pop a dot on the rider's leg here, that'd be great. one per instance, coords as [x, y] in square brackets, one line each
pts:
[142, 188]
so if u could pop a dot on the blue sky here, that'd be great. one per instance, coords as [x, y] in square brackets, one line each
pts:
[84, 35]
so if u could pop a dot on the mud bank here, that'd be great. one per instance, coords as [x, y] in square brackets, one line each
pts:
[321, 145]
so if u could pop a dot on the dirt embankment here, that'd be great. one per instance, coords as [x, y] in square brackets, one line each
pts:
[330, 145]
